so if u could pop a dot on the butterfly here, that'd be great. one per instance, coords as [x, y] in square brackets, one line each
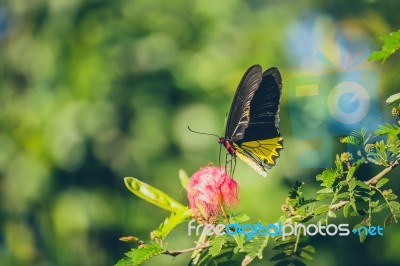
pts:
[252, 129]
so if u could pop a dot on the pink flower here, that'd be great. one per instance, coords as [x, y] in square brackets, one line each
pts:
[209, 190]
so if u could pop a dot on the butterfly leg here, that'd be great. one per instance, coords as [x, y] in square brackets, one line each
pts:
[234, 165]
[231, 164]
[226, 162]
[219, 156]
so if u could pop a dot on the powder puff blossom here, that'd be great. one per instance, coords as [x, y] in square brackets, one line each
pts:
[209, 190]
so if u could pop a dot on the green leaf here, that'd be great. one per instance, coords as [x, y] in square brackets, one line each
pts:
[388, 129]
[338, 164]
[171, 222]
[377, 56]
[365, 199]
[395, 205]
[256, 246]
[343, 195]
[380, 208]
[331, 214]
[374, 203]
[346, 209]
[262, 246]
[393, 99]
[353, 205]
[226, 257]
[306, 218]
[140, 255]
[391, 43]
[240, 218]
[303, 202]
[321, 209]
[327, 177]
[391, 219]
[325, 190]
[295, 192]
[381, 153]
[217, 244]
[362, 185]
[391, 196]
[184, 178]
[357, 137]
[350, 173]
[362, 232]
[363, 236]
[305, 255]
[309, 249]
[284, 245]
[381, 182]
[352, 183]
[360, 161]
[153, 195]
[240, 240]
[325, 196]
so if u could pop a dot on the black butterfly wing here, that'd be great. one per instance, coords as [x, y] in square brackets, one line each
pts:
[254, 119]
[264, 108]
[239, 114]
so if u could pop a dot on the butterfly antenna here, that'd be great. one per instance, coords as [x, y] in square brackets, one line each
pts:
[202, 133]
[225, 122]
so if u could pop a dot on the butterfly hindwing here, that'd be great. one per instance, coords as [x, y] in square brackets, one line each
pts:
[253, 122]
[261, 154]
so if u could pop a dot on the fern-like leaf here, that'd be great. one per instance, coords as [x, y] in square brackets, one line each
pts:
[140, 255]
[388, 129]
[357, 137]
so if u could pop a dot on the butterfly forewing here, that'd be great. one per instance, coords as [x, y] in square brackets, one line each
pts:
[275, 92]
[239, 114]
[264, 108]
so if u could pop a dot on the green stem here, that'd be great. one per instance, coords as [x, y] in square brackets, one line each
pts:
[387, 202]
[369, 213]
[297, 241]
[333, 200]
[196, 253]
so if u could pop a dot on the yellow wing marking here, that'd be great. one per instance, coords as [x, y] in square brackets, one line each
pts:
[260, 154]
[265, 149]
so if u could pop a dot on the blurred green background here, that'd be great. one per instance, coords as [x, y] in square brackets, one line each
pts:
[93, 91]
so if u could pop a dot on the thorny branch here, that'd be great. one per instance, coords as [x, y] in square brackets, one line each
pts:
[379, 176]
[175, 253]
